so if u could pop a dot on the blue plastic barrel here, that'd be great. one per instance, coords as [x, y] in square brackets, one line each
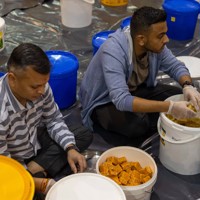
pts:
[125, 22]
[99, 38]
[63, 77]
[181, 18]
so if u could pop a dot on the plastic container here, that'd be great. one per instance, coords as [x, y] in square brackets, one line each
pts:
[125, 22]
[181, 157]
[181, 18]
[114, 2]
[76, 13]
[175, 131]
[140, 192]
[16, 183]
[85, 186]
[2, 34]
[99, 38]
[63, 77]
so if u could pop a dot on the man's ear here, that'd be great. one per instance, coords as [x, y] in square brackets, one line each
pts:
[140, 40]
[11, 77]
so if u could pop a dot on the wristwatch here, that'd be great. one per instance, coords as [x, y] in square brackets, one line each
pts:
[72, 147]
[187, 83]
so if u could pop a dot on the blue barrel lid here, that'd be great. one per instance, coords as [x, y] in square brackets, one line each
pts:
[126, 22]
[62, 62]
[184, 6]
[100, 37]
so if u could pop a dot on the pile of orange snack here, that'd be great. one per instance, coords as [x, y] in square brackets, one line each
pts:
[125, 173]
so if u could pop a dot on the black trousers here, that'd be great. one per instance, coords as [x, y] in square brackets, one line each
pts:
[52, 157]
[128, 128]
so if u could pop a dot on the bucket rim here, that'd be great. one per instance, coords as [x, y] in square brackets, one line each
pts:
[174, 141]
[177, 6]
[187, 128]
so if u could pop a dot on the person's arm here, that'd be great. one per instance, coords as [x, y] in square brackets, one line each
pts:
[185, 80]
[56, 126]
[179, 109]
[76, 160]
[190, 92]
[43, 185]
[146, 106]
[59, 132]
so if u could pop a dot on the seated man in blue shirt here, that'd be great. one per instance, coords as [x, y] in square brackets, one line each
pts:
[119, 92]
[32, 130]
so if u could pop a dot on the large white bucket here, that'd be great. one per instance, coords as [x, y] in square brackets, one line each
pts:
[181, 157]
[76, 13]
[139, 192]
[179, 145]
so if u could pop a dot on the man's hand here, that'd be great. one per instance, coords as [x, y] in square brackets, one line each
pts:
[179, 110]
[191, 94]
[76, 161]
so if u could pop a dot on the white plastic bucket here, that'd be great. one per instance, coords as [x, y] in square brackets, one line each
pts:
[181, 157]
[175, 131]
[140, 192]
[76, 13]
[85, 186]
[2, 33]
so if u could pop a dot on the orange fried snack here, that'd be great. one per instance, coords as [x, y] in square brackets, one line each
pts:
[125, 173]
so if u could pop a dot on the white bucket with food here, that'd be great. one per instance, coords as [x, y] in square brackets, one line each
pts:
[179, 143]
[131, 168]
[181, 157]
[177, 132]
[85, 186]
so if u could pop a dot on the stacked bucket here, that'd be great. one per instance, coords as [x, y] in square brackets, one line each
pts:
[179, 145]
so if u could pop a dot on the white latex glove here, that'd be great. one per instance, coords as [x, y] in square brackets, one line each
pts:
[191, 94]
[179, 110]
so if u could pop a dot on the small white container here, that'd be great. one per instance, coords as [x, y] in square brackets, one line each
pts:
[140, 192]
[181, 157]
[85, 186]
[2, 33]
[76, 13]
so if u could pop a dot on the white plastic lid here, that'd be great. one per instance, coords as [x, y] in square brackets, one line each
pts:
[86, 186]
[193, 65]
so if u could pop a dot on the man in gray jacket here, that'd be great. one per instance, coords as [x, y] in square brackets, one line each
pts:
[119, 92]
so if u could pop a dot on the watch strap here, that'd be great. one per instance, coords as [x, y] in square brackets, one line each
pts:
[72, 147]
[187, 83]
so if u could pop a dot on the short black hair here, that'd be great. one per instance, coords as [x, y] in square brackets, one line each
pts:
[26, 55]
[144, 17]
